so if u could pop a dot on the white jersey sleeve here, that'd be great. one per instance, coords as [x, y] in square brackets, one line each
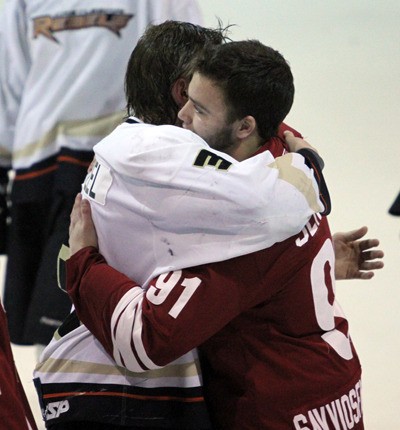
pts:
[162, 196]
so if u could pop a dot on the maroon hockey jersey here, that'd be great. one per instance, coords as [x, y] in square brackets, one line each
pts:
[273, 341]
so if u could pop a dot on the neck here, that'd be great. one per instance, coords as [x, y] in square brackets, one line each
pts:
[245, 148]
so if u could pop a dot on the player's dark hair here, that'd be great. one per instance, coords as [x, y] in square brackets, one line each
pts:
[255, 79]
[162, 55]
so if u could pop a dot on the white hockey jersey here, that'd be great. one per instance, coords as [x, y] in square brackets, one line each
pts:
[163, 198]
[62, 67]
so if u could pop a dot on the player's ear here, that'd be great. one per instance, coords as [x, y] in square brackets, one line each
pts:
[246, 127]
[179, 92]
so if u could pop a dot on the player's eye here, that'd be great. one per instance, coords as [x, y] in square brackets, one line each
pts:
[198, 110]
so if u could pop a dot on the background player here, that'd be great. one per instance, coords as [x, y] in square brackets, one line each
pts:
[61, 65]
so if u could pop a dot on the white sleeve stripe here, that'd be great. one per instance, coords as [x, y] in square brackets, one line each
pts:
[121, 330]
[137, 340]
[114, 323]
[126, 322]
[27, 422]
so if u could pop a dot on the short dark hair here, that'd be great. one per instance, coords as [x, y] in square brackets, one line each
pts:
[255, 80]
[162, 55]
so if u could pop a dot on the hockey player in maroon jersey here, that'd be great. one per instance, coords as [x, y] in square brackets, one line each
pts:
[274, 344]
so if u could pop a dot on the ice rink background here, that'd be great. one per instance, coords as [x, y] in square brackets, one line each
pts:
[345, 56]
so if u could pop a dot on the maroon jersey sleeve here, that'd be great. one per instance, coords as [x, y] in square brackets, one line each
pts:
[108, 302]
[95, 289]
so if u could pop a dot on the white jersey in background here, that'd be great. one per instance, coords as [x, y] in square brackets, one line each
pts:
[56, 89]
[62, 70]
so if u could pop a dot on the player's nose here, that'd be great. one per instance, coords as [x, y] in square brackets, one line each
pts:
[184, 114]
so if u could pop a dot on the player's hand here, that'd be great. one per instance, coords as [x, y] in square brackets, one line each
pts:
[355, 258]
[82, 232]
[296, 143]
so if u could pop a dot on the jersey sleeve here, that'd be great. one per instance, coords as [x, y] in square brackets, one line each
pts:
[312, 159]
[145, 329]
[316, 163]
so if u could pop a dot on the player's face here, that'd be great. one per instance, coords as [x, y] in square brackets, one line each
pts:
[205, 114]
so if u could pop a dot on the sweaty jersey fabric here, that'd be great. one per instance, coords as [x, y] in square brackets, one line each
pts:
[76, 362]
[15, 413]
[62, 68]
